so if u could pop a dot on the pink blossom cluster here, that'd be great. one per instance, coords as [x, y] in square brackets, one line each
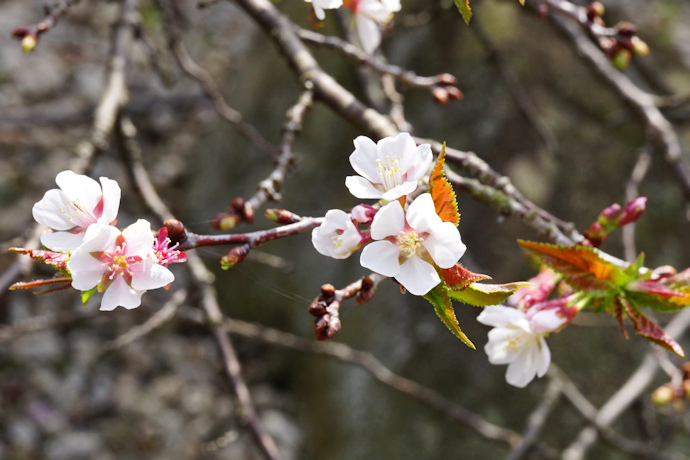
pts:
[81, 215]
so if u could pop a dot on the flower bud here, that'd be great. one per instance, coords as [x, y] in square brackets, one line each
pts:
[225, 221]
[363, 214]
[608, 45]
[543, 10]
[454, 93]
[595, 9]
[621, 59]
[29, 43]
[176, 230]
[626, 29]
[317, 307]
[447, 79]
[281, 216]
[328, 291]
[234, 256]
[639, 47]
[440, 95]
[633, 210]
[663, 395]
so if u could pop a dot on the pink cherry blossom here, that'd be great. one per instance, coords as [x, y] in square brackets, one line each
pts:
[123, 264]
[411, 245]
[70, 210]
[388, 169]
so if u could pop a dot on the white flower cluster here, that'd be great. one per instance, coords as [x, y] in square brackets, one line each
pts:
[369, 17]
[122, 264]
[409, 244]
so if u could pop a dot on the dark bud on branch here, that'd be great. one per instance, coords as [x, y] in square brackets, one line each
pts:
[282, 216]
[235, 256]
[176, 231]
[237, 212]
[595, 10]
[440, 95]
[543, 10]
[367, 291]
[28, 37]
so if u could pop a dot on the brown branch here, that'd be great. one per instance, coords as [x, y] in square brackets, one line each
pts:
[659, 129]
[40, 323]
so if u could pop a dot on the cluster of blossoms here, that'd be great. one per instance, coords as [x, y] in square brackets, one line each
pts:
[519, 330]
[121, 264]
[406, 244]
[370, 16]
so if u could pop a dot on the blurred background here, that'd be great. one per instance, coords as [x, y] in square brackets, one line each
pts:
[64, 396]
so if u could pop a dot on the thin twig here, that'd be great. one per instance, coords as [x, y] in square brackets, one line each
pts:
[644, 160]
[30, 34]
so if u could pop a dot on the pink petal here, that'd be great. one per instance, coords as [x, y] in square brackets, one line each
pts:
[381, 257]
[417, 276]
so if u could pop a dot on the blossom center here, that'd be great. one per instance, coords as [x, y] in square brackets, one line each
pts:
[77, 213]
[409, 243]
[390, 172]
[118, 263]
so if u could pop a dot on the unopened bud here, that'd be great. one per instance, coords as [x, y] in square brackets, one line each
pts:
[663, 395]
[334, 326]
[447, 79]
[29, 43]
[610, 213]
[621, 59]
[234, 256]
[363, 213]
[633, 210]
[238, 204]
[626, 29]
[317, 307]
[282, 216]
[608, 45]
[225, 221]
[328, 291]
[176, 230]
[454, 93]
[543, 10]
[440, 95]
[595, 9]
[639, 47]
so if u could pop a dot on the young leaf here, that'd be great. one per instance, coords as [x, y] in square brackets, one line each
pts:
[482, 295]
[580, 266]
[650, 331]
[86, 295]
[438, 297]
[56, 259]
[464, 7]
[458, 277]
[442, 192]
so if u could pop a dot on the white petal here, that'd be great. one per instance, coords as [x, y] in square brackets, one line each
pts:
[63, 241]
[368, 33]
[546, 321]
[319, 12]
[524, 368]
[421, 215]
[50, 211]
[362, 188]
[80, 188]
[499, 348]
[391, 5]
[418, 164]
[544, 357]
[363, 159]
[417, 276]
[381, 257]
[374, 10]
[400, 190]
[499, 315]
[350, 241]
[149, 275]
[444, 245]
[86, 270]
[111, 200]
[389, 221]
[120, 294]
[139, 238]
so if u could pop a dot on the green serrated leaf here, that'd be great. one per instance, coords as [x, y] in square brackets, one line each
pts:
[464, 7]
[86, 295]
[443, 305]
[482, 295]
[654, 302]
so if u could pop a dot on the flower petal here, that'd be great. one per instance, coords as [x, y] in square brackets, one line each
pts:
[149, 275]
[139, 238]
[381, 257]
[79, 188]
[362, 188]
[368, 32]
[417, 276]
[419, 163]
[524, 368]
[63, 241]
[119, 293]
[421, 214]
[546, 321]
[50, 211]
[363, 159]
[400, 190]
[544, 358]
[111, 200]
[499, 315]
[444, 245]
[389, 221]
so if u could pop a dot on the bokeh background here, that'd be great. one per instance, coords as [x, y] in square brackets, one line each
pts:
[165, 396]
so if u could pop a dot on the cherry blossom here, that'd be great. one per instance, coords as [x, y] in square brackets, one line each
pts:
[411, 245]
[166, 254]
[120, 264]
[388, 169]
[337, 236]
[517, 339]
[71, 210]
[321, 5]
[370, 17]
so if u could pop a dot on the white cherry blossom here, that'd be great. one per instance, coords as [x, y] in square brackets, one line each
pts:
[517, 339]
[388, 169]
[121, 264]
[337, 236]
[370, 17]
[409, 245]
[321, 5]
[70, 210]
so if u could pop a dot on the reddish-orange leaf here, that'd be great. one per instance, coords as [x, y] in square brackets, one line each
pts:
[458, 277]
[442, 192]
[650, 331]
[581, 266]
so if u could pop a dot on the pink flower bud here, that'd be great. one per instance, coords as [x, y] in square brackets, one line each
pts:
[363, 214]
[633, 211]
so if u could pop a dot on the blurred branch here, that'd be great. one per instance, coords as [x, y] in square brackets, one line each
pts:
[659, 129]
[517, 90]
[644, 160]
[40, 323]
[626, 394]
[29, 35]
